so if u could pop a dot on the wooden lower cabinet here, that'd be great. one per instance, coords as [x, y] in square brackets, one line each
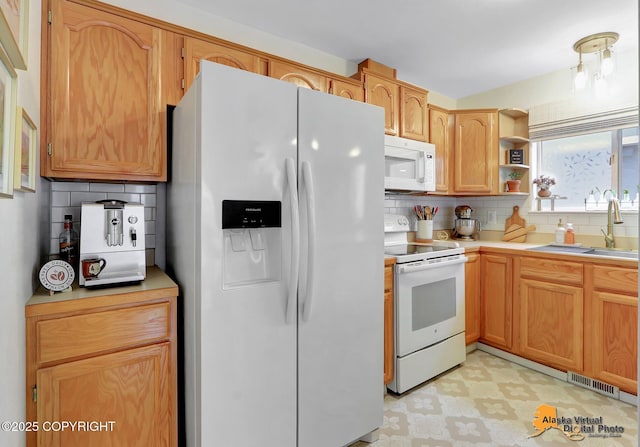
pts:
[472, 298]
[388, 324]
[572, 315]
[127, 389]
[614, 345]
[551, 308]
[496, 300]
[551, 323]
[108, 357]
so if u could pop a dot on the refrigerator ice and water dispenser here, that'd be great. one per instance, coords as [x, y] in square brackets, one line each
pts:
[252, 233]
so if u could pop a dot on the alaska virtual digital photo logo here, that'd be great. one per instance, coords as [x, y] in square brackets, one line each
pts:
[575, 428]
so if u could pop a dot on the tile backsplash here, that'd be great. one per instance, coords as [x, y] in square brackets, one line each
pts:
[67, 197]
[493, 211]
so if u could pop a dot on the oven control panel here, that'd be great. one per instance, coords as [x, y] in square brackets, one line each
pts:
[395, 223]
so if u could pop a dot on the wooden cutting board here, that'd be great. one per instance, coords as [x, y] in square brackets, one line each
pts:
[515, 219]
[516, 233]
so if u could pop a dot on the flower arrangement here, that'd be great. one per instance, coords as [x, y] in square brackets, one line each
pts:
[544, 182]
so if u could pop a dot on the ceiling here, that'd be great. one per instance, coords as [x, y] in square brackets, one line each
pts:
[454, 47]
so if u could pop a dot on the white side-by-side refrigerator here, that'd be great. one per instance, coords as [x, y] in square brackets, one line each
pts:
[275, 237]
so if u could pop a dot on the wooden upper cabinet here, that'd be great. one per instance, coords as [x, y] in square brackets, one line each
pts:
[475, 152]
[349, 90]
[196, 50]
[441, 135]
[385, 93]
[414, 114]
[106, 99]
[298, 75]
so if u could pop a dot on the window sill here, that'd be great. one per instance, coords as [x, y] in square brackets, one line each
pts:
[579, 211]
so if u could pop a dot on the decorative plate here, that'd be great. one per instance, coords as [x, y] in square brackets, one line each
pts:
[57, 275]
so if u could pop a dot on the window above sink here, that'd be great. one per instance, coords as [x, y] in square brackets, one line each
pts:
[587, 168]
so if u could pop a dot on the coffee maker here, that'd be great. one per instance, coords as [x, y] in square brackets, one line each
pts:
[111, 243]
[465, 227]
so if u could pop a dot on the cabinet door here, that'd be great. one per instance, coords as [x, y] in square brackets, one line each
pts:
[615, 339]
[130, 388]
[497, 302]
[348, 90]
[384, 93]
[389, 331]
[414, 114]
[475, 153]
[388, 337]
[472, 298]
[440, 134]
[196, 50]
[551, 323]
[106, 98]
[298, 75]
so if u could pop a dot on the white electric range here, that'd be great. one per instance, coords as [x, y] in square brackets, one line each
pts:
[429, 305]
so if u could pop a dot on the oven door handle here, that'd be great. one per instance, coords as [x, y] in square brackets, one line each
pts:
[426, 265]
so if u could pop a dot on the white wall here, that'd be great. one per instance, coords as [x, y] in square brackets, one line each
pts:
[21, 224]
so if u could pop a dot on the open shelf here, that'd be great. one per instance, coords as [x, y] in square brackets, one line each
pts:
[513, 132]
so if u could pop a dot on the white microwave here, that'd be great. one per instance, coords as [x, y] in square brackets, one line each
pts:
[409, 165]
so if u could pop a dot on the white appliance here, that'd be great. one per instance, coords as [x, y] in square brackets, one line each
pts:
[429, 305]
[409, 165]
[275, 238]
[112, 230]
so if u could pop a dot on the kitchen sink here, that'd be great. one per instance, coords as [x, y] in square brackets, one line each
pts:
[617, 252]
[595, 251]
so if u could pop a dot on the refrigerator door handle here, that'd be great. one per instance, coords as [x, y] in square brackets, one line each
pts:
[292, 288]
[307, 179]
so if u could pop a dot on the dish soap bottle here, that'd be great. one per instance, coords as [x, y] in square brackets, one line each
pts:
[569, 234]
[560, 232]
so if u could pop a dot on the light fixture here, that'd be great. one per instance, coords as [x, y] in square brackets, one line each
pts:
[595, 43]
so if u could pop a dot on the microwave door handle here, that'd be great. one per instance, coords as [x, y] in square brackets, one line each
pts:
[422, 161]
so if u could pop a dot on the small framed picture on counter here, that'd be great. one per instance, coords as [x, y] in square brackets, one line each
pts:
[516, 156]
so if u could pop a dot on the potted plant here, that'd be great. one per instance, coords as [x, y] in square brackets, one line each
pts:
[544, 184]
[513, 184]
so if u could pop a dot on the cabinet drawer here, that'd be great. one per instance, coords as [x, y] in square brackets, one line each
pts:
[60, 338]
[615, 278]
[551, 270]
[388, 278]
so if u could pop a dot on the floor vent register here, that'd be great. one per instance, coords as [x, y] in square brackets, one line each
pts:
[593, 384]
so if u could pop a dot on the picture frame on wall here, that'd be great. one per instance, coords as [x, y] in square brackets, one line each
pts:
[8, 91]
[14, 31]
[24, 174]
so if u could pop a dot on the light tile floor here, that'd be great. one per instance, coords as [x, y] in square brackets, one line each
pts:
[491, 402]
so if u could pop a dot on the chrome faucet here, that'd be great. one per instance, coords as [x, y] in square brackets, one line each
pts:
[613, 217]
